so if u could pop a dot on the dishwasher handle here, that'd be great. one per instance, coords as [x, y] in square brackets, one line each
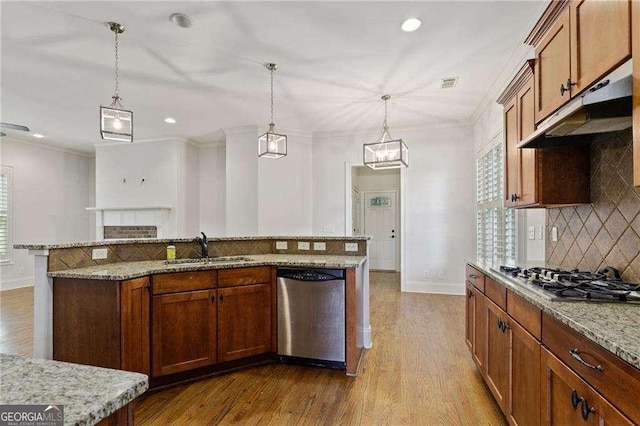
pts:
[311, 274]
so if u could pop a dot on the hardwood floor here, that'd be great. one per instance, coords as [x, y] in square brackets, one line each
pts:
[16, 321]
[419, 372]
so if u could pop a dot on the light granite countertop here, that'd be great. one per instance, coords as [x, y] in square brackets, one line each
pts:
[128, 270]
[614, 326]
[45, 246]
[88, 394]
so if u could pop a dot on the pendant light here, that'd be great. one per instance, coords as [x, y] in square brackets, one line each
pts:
[272, 144]
[116, 123]
[386, 152]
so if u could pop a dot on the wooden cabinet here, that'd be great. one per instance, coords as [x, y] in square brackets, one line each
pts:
[523, 402]
[584, 41]
[184, 322]
[635, 9]
[475, 326]
[567, 399]
[543, 176]
[102, 323]
[245, 311]
[497, 361]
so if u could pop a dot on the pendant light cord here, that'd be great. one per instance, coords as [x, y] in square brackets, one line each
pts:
[271, 97]
[117, 91]
[385, 126]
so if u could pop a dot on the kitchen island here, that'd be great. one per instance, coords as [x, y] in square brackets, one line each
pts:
[88, 394]
[133, 289]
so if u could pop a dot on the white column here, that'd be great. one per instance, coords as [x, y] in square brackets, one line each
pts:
[42, 306]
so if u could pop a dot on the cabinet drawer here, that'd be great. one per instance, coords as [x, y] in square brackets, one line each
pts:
[244, 276]
[527, 315]
[616, 380]
[183, 281]
[475, 277]
[496, 292]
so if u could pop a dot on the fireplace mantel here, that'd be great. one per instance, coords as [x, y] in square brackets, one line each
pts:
[157, 216]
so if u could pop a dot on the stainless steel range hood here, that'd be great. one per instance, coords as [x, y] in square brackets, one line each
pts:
[604, 108]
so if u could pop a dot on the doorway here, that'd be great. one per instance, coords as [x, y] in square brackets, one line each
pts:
[375, 209]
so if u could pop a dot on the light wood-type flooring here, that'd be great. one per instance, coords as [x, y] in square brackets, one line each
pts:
[418, 372]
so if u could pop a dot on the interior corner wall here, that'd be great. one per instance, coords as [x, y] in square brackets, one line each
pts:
[440, 206]
[241, 170]
[285, 189]
[188, 208]
[212, 190]
[51, 191]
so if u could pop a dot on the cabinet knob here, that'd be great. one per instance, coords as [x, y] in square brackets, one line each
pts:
[470, 294]
[575, 400]
[221, 297]
[566, 89]
[586, 410]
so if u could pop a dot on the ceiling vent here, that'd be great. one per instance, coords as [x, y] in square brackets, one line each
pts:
[448, 83]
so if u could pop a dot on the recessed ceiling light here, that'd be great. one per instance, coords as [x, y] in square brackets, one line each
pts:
[180, 19]
[170, 120]
[38, 135]
[411, 24]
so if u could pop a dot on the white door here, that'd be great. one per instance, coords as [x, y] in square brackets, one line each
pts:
[355, 211]
[380, 222]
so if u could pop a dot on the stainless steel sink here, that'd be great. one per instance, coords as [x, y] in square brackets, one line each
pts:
[207, 260]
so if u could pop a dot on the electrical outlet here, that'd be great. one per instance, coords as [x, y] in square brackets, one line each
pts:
[350, 246]
[320, 246]
[441, 275]
[531, 232]
[539, 233]
[99, 254]
[303, 245]
[281, 245]
[427, 274]
[329, 229]
[554, 233]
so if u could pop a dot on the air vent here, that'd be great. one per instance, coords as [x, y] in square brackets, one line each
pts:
[448, 83]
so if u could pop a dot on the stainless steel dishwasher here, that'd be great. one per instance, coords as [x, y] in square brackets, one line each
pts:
[311, 316]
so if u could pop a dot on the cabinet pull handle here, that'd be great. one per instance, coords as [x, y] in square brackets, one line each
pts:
[575, 400]
[148, 286]
[500, 322]
[470, 294]
[586, 410]
[221, 297]
[575, 353]
[472, 276]
[566, 89]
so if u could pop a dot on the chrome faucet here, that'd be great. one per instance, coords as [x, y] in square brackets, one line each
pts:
[203, 245]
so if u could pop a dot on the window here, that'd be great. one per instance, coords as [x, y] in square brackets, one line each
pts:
[496, 226]
[5, 214]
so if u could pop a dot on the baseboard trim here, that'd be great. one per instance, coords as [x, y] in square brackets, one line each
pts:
[434, 288]
[365, 335]
[16, 283]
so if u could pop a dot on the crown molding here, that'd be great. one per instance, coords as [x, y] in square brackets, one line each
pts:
[371, 130]
[42, 144]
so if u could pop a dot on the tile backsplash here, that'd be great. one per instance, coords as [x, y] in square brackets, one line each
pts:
[606, 232]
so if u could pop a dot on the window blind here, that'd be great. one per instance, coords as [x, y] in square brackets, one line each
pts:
[496, 226]
[5, 237]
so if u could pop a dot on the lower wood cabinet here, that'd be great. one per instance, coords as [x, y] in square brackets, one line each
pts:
[184, 331]
[523, 402]
[497, 362]
[135, 339]
[244, 321]
[475, 330]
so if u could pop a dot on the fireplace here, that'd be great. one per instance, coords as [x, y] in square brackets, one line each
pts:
[132, 222]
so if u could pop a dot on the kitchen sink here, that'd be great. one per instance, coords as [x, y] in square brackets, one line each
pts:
[206, 260]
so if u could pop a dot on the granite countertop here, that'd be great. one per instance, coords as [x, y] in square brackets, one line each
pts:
[44, 246]
[128, 270]
[88, 394]
[614, 326]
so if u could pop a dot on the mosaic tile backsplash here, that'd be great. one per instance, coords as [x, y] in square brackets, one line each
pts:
[606, 232]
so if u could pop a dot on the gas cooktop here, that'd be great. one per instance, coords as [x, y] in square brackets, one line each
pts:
[575, 285]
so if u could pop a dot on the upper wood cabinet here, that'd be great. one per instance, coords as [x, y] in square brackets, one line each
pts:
[636, 92]
[576, 44]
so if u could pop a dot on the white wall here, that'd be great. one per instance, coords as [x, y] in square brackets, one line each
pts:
[51, 189]
[285, 189]
[377, 180]
[241, 169]
[212, 190]
[188, 206]
[440, 199]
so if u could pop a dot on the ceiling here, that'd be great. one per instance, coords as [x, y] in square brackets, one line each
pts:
[336, 59]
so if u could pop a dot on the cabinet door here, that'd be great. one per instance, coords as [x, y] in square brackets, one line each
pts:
[244, 321]
[565, 395]
[497, 362]
[553, 68]
[512, 153]
[470, 304]
[184, 331]
[524, 363]
[527, 157]
[479, 353]
[135, 348]
[600, 39]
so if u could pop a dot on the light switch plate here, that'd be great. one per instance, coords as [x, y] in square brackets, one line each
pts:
[281, 245]
[320, 246]
[350, 246]
[554, 233]
[329, 229]
[539, 232]
[99, 254]
[303, 245]
[531, 232]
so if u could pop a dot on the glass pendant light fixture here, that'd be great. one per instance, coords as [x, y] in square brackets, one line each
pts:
[116, 123]
[272, 144]
[386, 152]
